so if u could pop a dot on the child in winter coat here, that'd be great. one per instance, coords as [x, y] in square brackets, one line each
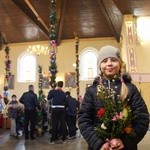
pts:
[12, 114]
[94, 117]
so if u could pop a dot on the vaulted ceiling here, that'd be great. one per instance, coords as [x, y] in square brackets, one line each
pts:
[28, 20]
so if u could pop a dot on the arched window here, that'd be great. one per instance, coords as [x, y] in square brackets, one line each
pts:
[88, 63]
[26, 68]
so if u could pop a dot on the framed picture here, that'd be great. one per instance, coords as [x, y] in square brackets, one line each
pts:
[70, 79]
[11, 82]
[46, 81]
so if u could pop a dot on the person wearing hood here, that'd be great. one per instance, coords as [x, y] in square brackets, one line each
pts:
[111, 76]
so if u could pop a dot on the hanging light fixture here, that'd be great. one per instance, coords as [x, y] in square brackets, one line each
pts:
[38, 49]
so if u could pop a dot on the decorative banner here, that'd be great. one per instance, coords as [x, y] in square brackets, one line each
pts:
[131, 43]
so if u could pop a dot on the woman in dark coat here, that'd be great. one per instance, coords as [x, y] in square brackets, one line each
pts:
[110, 62]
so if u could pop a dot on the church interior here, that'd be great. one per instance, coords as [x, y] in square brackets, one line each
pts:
[42, 42]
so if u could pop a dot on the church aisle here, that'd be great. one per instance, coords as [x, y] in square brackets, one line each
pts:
[41, 143]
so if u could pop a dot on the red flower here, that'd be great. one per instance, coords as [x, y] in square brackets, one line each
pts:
[128, 129]
[101, 112]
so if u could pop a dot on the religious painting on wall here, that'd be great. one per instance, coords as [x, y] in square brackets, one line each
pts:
[70, 79]
[46, 82]
[11, 82]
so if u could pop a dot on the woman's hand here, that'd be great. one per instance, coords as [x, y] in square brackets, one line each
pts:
[116, 144]
[106, 146]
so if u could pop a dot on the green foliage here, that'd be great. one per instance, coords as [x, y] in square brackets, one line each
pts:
[40, 84]
[53, 21]
[115, 116]
[53, 38]
[7, 66]
[41, 95]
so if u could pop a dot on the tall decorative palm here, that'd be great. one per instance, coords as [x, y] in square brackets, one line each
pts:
[53, 43]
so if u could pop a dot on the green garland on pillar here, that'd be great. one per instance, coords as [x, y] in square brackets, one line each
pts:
[40, 84]
[7, 66]
[77, 65]
[53, 46]
[41, 95]
[7, 75]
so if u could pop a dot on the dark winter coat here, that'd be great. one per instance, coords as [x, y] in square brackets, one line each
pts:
[13, 110]
[72, 105]
[87, 118]
[30, 101]
[57, 97]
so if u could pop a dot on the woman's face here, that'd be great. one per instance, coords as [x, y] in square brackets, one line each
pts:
[110, 67]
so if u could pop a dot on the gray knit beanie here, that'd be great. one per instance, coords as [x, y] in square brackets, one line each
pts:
[108, 51]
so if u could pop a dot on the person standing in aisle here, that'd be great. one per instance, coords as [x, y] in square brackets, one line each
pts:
[31, 104]
[71, 113]
[58, 102]
[116, 85]
[12, 114]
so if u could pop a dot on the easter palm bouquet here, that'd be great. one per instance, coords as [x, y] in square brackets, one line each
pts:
[115, 116]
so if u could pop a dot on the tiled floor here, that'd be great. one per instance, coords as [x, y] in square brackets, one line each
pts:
[40, 143]
[7, 143]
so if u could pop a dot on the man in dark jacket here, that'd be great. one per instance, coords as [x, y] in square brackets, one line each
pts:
[31, 103]
[58, 103]
[71, 112]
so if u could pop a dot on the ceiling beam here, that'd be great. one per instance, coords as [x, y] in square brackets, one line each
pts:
[36, 14]
[26, 7]
[113, 16]
[61, 21]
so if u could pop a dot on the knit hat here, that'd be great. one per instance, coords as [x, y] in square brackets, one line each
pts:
[108, 51]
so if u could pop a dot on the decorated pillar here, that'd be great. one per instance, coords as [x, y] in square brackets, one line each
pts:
[7, 66]
[7, 75]
[53, 43]
[77, 65]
